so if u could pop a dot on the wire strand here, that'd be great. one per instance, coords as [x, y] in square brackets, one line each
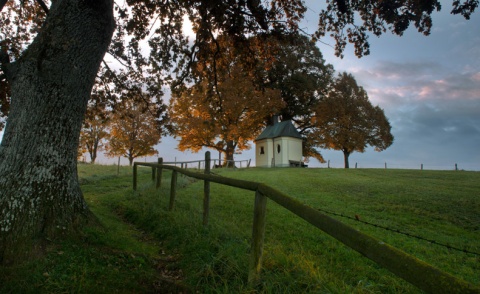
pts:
[356, 218]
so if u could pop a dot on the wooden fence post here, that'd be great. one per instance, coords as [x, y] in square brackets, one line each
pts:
[456, 166]
[153, 173]
[258, 234]
[206, 190]
[248, 165]
[421, 166]
[328, 164]
[159, 173]
[173, 190]
[135, 176]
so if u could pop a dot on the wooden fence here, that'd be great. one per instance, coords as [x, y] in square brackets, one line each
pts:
[405, 266]
[400, 166]
[198, 163]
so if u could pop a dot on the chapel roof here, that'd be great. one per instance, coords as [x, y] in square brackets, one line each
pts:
[279, 129]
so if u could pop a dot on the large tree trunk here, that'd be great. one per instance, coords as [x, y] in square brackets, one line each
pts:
[93, 157]
[93, 154]
[346, 155]
[92, 151]
[130, 160]
[229, 151]
[40, 198]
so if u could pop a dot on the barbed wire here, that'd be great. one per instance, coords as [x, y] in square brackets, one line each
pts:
[357, 218]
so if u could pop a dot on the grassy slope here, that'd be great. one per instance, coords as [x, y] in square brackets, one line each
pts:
[439, 205]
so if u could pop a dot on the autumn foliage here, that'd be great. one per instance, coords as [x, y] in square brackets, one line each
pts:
[224, 117]
[345, 120]
[94, 129]
[133, 131]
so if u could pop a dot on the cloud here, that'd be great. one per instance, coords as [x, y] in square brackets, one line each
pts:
[422, 81]
[434, 110]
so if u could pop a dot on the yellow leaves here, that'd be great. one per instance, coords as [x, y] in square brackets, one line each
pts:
[134, 131]
[233, 111]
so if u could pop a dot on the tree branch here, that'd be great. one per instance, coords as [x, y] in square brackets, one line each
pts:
[117, 59]
[148, 103]
[4, 63]
[2, 3]
[113, 73]
[42, 4]
[191, 58]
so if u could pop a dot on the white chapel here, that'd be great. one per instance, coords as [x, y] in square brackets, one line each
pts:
[279, 145]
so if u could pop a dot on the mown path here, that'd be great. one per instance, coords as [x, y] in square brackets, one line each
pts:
[109, 256]
[103, 194]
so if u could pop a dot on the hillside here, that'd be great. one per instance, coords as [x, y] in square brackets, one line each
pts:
[143, 247]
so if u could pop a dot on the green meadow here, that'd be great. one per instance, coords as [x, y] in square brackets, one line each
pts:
[139, 246]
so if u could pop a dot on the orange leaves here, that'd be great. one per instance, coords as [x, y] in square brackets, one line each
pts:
[233, 111]
[346, 120]
[134, 131]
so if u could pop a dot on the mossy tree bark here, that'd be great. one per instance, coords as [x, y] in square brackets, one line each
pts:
[40, 197]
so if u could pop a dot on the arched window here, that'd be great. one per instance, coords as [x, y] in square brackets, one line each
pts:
[262, 151]
[278, 148]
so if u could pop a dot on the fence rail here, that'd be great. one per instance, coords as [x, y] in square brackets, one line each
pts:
[405, 266]
[198, 163]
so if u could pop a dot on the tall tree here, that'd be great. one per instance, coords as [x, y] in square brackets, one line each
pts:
[299, 71]
[225, 115]
[134, 130]
[51, 80]
[50, 85]
[345, 120]
[94, 129]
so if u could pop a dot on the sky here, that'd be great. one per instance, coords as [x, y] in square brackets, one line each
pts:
[428, 86]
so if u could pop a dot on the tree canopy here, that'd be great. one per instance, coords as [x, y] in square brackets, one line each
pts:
[300, 73]
[159, 26]
[345, 120]
[352, 21]
[225, 108]
[134, 130]
[95, 127]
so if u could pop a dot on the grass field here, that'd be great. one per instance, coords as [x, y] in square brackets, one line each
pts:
[145, 248]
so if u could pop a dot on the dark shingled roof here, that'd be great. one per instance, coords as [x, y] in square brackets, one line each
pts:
[281, 129]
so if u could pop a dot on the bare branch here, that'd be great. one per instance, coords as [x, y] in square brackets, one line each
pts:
[148, 103]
